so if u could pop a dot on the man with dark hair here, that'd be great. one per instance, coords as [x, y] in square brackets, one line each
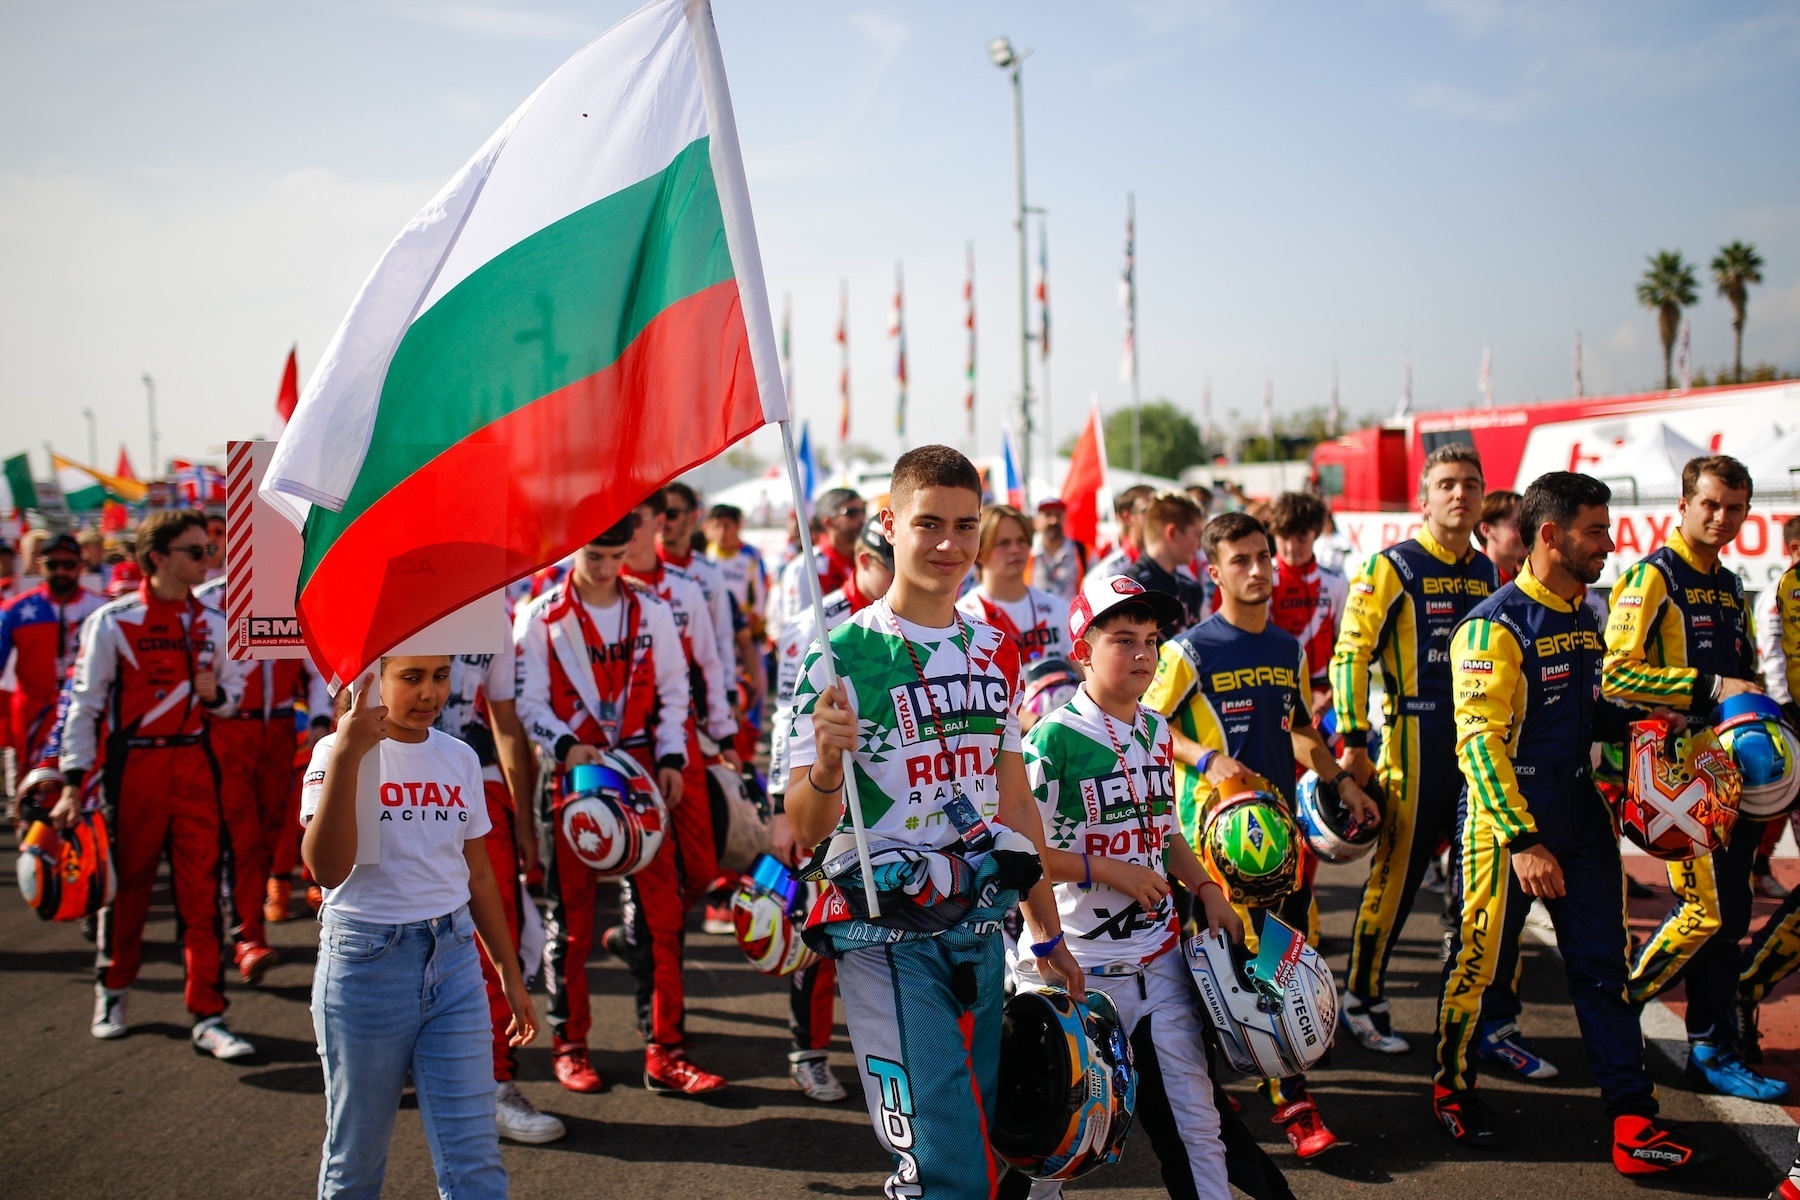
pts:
[925, 711]
[741, 565]
[601, 668]
[43, 628]
[1129, 507]
[1679, 634]
[1058, 561]
[1498, 533]
[1308, 599]
[1236, 692]
[1527, 665]
[150, 677]
[1402, 606]
[1170, 530]
[839, 515]
[675, 546]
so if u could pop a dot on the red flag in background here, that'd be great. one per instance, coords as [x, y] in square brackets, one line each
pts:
[114, 517]
[125, 471]
[1082, 485]
[288, 397]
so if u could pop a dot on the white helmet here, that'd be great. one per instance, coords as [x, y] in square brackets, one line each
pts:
[1275, 1013]
[740, 828]
[768, 911]
[1326, 824]
[612, 815]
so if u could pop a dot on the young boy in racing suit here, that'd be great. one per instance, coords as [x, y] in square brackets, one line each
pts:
[151, 675]
[810, 1007]
[925, 712]
[1239, 697]
[1529, 707]
[1100, 770]
[1679, 634]
[601, 668]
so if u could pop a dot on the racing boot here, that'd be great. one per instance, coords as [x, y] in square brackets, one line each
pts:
[210, 1036]
[254, 960]
[1501, 1042]
[1749, 1037]
[667, 1069]
[1305, 1129]
[573, 1071]
[276, 899]
[1370, 1025]
[1644, 1146]
[109, 1012]
[813, 1075]
[1712, 1067]
[1466, 1117]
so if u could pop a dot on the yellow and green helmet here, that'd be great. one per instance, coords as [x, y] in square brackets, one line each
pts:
[1249, 842]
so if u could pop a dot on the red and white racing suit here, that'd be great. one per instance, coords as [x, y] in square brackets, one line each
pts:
[475, 680]
[1308, 602]
[133, 710]
[39, 640]
[577, 664]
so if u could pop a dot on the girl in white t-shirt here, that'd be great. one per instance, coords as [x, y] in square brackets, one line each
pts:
[398, 987]
[1035, 620]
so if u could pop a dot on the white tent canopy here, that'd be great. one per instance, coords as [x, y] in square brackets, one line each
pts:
[1774, 465]
[1649, 461]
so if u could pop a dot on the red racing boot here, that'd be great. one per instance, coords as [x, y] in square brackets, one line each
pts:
[1642, 1146]
[254, 960]
[1305, 1129]
[275, 901]
[667, 1069]
[573, 1071]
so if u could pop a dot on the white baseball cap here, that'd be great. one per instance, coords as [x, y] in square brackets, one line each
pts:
[1100, 596]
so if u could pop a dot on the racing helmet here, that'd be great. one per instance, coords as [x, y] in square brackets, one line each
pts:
[1765, 751]
[1274, 1012]
[1248, 842]
[768, 911]
[1679, 799]
[67, 876]
[1048, 684]
[612, 817]
[740, 828]
[1327, 825]
[1067, 1084]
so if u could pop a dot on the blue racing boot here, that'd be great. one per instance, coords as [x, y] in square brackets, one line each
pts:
[1501, 1042]
[1721, 1070]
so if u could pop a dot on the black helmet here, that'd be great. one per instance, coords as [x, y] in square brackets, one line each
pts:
[1067, 1084]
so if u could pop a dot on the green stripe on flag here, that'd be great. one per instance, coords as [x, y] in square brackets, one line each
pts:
[18, 480]
[85, 499]
[557, 307]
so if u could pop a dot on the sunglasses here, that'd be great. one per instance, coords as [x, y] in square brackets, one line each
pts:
[855, 514]
[62, 564]
[197, 553]
[676, 511]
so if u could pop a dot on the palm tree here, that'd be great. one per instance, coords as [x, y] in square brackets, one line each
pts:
[1735, 268]
[1667, 288]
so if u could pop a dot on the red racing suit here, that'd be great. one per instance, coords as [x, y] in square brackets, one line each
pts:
[39, 640]
[133, 710]
[1308, 602]
[576, 664]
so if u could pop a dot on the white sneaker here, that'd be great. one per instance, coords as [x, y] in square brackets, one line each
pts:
[518, 1120]
[211, 1037]
[1369, 1025]
[109, 1012]
[813, 1076]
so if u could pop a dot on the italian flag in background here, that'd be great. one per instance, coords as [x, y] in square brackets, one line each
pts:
[575, 319]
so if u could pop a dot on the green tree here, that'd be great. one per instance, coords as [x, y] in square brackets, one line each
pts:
[1667, 287]
[1169, 437]
[1735, 268]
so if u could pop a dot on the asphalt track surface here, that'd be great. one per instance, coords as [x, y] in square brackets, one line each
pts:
[145, 1116]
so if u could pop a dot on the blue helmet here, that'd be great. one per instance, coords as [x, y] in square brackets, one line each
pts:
[1765, 751]
[1068, 1087]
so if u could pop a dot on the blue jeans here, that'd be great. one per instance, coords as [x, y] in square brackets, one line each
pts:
[389, 999]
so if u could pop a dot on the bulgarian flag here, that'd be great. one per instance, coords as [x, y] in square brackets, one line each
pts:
[85, 489]
[576, 318]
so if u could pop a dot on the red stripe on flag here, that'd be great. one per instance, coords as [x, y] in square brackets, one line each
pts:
[536, 484]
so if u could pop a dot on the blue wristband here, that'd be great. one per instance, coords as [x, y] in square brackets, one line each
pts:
[1039, 949]
[1087, 873]
[1206, 759]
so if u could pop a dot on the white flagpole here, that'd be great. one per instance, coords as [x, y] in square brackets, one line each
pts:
[810, 578]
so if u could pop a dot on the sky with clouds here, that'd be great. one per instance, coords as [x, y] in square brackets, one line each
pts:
[189, 187]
